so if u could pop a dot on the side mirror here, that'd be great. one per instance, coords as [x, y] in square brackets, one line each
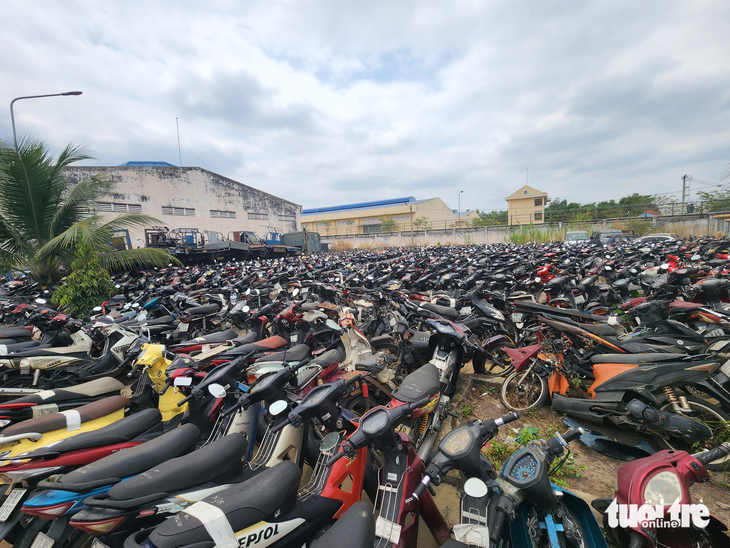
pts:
[118, 286]
[246, 308]
[475, 488]
[295, 292]
[278, 407]
[96, 309]
[183, 381]
[40, 301]
[217, 391]
[135, 306]
[142, 319]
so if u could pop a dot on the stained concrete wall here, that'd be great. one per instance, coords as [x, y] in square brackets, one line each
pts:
[683, 225]
[155, 187]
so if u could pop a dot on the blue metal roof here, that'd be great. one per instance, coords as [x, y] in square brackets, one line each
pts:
[141, 164]
[362, 205]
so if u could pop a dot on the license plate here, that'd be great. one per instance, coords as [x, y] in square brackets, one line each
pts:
[465, 311]
[294, 337]
[516, 317]
[10, 503]
[183, 327]
[717, 345]
[579, 299]
[98, 544]
[725, 368]
[42, 541]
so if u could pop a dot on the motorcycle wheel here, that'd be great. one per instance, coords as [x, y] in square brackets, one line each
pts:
[501, 362]
[19, 381]
[715, 419]
[359, 405]
[524, 390]
[389, 349]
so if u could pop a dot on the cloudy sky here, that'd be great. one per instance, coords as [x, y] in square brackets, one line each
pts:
[332, 102]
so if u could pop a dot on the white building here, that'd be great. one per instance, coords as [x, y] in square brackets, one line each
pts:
[190, 197]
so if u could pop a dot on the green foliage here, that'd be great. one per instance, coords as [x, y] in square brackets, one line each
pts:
[43, 216]
[628, 206]
[490, 218]
[498, 452]
[387, 224]
[421, 223]
[717, 200]
[87, 286]
[531, 233]
[527, 434]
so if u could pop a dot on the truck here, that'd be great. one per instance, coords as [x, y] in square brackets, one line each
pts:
[189, 245]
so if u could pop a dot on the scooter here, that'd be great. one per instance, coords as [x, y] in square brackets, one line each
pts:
[662, 481]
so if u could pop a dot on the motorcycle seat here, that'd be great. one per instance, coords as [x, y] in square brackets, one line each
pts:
[196, 468]
[309, 307]
[423, 381]
[162, 320]
[273, 490]
[249, 337]
[620, 284]
[294, 354]
[27, 344]
[637, 358]
[68, 351]
[114, 467]
[93, 388]
[87, 412]
[557, 283]
[374, 364]
[120, 431]
[356, 529]
[221, 336]
[15, 333]
[445, 311]
[271, 343]
[203, 310]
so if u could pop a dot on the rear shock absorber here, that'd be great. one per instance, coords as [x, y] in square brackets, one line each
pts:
[424, 423]
[672, 398]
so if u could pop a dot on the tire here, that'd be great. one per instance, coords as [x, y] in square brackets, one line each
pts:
[195, 332]
[19, 381]
[359, 405]
[35, 526]
[711, 416]
[451, 388]
[501, 362]
[524, 391]
[389, 348]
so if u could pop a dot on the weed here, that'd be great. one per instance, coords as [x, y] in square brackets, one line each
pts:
[576, 382]
[560, 482]
[527, 434]
[551, 431]
[341, 245]
[489, 389]
[498, 452]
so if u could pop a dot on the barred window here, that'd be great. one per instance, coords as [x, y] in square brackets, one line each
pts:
[180, 211]
[114, 207]
[222, 214]
[287, 217]
[372, 221]
[258, 216]
[400, 217]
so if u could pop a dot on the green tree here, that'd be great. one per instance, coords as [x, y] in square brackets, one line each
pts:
[43, 215]
[387, 224]
[490, 218]
[87, 286]
[421, 223]
[715, 200]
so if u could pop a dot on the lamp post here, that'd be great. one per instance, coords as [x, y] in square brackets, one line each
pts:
[459, 207]
[12, 116]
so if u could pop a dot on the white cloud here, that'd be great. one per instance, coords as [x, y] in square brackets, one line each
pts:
[338, 102]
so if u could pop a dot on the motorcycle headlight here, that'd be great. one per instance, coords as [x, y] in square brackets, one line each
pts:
[4, 423]
[663, 489]
[3, 349]
[17, 476]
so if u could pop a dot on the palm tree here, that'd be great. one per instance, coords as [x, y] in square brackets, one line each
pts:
[43, 215]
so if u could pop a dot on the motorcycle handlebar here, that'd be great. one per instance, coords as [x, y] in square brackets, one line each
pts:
[418, 491]
[279, 427]
[184, 400]
[718, 452]
[235, 407]
[337, 456]
[573, 434]
[353, 380]
[509, 417]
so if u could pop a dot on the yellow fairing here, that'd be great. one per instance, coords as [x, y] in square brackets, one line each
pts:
[24, 446]
[154, 363]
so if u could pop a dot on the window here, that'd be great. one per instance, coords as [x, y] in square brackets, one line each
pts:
[400, 217]
[371, 221]
[222, 214]
[113, 207]
[370, 228]
[287, 217]
[258, 216]
[322, 223]
[538, 215]
[343, 223]
[180, 211]
[538, 201]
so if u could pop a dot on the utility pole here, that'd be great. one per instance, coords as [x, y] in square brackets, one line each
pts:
[685, 190]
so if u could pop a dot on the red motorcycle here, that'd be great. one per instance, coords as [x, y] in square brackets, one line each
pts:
[660, 484]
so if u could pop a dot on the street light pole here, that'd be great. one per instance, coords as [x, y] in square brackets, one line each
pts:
[459, 207]
[12, 116]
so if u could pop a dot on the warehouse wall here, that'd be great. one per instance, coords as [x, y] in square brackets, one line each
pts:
[201, 199]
